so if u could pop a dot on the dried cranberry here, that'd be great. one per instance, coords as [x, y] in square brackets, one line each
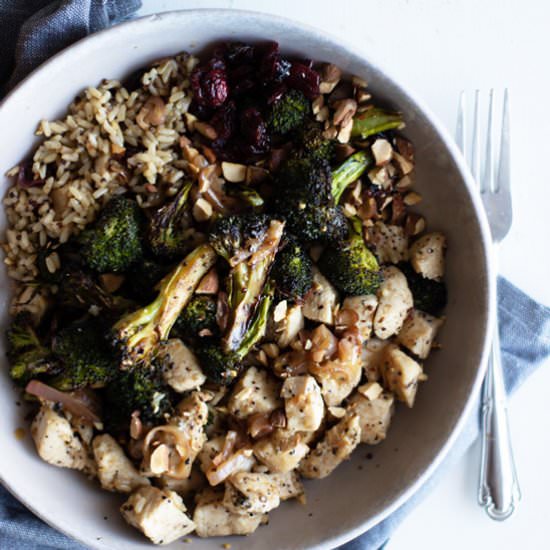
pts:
[274, 93]
[304, 79]
[273, 66]
[242, 79]
[209, 84]
[225, 120]
[238, 53]
[254, 129]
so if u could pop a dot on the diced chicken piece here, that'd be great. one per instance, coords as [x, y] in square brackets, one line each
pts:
[289, 484]
[304, 405]
[284, 329]
[209, 450]
[249, 492]
[255, 392]
[281, 451]
[170, 449]
[57, 443]
[321, 300]
[340, 375]
[213, 519]
[185, 487]
[114, 469]
[239, 461]
[158, 513]
[390, 243]
[394, 302]
[371, 358]
[335, 447]
[181, 368]
[428, 255]
[401, 374]
[418, 332]
[364, 306]
[374, 415]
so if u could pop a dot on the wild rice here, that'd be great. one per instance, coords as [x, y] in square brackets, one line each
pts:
[98, 150]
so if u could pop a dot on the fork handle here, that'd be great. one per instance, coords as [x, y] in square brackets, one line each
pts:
[499, 491]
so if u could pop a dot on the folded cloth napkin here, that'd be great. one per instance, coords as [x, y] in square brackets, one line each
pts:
[33, 30]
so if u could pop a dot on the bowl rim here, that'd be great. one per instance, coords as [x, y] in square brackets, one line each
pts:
[316, 34]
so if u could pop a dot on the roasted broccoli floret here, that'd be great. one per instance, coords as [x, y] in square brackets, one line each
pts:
[373, 121]
[79, 290]
[310, 143]
[292, 271]
[138, 334]
[349, 265]
[166, 230]
[141, 389]
[198, 316]
[87, 359]
[246, 282]
[113, 242]
[349, 171]
[289, 112]
[428, 295]
[27, 355]
[222, 366]
[236, 238]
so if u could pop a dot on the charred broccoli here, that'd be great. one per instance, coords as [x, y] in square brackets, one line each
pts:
[246, 194]
[85, 355]
[350, 266]
[289, 112]
[312, 144]
[373, 121]
[28, 357]
[113, 242]
[141, 389]
[197, 316]
[348, 172]
[428, 295]
[138, 334]
[222, 366]
[165, 233]
[292, 271]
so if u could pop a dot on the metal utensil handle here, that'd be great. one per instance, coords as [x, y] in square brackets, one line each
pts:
[499, 490]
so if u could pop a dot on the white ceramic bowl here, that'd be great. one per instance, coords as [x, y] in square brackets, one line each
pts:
[353, 499]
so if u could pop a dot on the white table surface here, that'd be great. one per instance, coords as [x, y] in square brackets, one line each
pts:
[438, 48]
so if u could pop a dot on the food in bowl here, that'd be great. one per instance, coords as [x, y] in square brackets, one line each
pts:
[220, 286]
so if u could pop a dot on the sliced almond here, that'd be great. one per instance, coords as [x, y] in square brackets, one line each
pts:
[209, 284]
[382, 151]
[359, 82]
[279, 313]
[330, 77]
[404, 183]
[190, 120]
[380, 176]
[202, 210]
[345, 109]
[271, 350]
[371, 390]
[330, 133]
[405, 148]
[160, 460]
[344, 134]
[111, 282]
[323, 114]
[206, 130]
[337, 412]
[233, 172]
[317, 104]
[362, 96]
[414, 224]
[405, 167]
[412, 198]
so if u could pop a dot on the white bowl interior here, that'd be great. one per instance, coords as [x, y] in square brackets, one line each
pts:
[362, 491]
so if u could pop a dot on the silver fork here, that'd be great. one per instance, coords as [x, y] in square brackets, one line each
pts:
[499, 491]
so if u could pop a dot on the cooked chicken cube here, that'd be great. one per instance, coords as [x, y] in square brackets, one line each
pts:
[181, 368]
[289, 484]
[335, 447]
[285, 323]
[304, 405]
[158, 513]
[374, 415]
[255, 392]
[394, 302]
[371, 358]
[364, 306]
[209, 450]
[281, 451]
[418, 332]
[213, 519]
[321, 300]
[57, 443]
[401, 374]
[114, 469]
[249, 492]
[390, 243]
[428, 255]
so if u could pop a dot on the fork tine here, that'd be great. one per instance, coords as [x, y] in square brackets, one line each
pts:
[461, 124]
[488, 182]
[504, 175]
[475, 164]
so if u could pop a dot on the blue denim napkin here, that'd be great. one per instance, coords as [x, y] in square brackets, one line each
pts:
[33, 30]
